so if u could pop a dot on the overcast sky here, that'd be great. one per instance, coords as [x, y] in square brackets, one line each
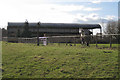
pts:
[58, 11]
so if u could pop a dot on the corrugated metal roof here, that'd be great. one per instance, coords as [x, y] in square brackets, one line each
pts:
[60, 25]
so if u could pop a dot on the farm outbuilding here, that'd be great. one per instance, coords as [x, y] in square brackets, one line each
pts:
[29, 30]
[49, 28]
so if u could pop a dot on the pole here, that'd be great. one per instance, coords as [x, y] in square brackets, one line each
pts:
[92, 33]
[92, 37]
[110, 41]
[38, 33]
[74, 41]
[96, 41]
[101, 33]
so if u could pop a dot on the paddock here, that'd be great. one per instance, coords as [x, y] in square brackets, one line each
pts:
[27, 60]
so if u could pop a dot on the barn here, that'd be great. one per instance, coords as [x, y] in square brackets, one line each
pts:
[48, 28]
[25, 29]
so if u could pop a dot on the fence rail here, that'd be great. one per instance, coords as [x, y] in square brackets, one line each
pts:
[93, 39]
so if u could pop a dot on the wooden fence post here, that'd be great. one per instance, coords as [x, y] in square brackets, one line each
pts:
[96, 41]
[110, 41]
[65, 41]
[74, 41]
[38, 33]
[58, 41]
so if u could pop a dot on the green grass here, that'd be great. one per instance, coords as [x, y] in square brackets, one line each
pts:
[21, 60]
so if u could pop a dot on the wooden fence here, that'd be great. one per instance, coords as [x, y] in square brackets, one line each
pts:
[94, 39]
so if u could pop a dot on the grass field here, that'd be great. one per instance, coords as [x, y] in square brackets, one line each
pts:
[21, 60]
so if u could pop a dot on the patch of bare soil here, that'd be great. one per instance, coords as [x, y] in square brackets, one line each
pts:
[107, 51]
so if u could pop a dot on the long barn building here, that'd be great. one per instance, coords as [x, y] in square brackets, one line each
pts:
[50, 29]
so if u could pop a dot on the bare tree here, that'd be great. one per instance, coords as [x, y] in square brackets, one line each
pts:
[112, 27]
[4, 32]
